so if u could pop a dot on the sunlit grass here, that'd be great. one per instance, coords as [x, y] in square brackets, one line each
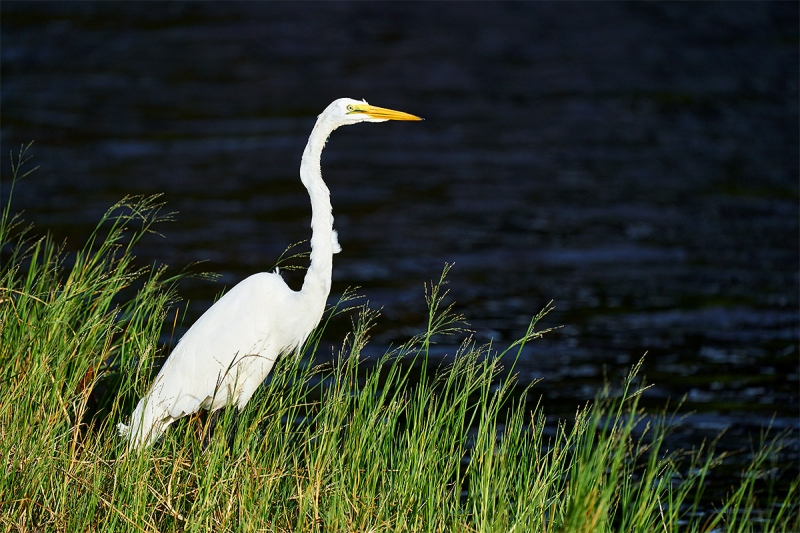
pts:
[349, 445]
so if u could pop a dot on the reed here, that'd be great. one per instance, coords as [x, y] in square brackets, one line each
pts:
[353, 444]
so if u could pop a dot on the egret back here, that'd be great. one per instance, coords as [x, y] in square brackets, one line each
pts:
[226, 354]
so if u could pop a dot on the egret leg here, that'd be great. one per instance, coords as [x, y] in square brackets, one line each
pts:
[208, 429]
[233, 428]
[213, 420]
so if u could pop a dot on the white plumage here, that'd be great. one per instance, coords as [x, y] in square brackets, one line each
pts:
[231, 349]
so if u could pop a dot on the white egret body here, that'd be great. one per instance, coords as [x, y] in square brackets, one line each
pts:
[230, 350]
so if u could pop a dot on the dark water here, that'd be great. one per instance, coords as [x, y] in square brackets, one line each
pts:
[635, 163]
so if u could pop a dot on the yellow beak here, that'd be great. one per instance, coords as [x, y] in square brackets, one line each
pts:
[386, 114]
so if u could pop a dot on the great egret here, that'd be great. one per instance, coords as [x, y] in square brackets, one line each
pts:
[230, 350]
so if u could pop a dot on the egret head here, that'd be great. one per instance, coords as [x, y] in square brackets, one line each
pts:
[349, 111]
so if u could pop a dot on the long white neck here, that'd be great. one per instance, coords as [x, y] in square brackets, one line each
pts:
[317, 283]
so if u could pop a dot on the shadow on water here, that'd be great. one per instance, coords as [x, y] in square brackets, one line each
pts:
[635, 163]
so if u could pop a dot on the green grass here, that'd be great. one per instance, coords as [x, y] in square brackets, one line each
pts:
[352, 445]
